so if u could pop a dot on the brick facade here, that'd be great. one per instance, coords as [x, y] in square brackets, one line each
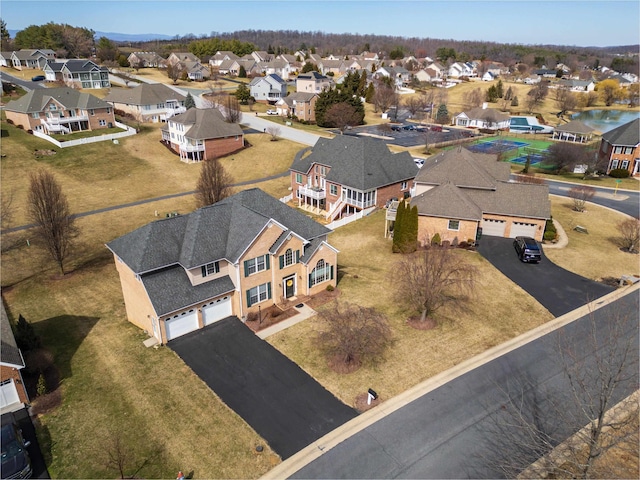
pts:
[7, 373]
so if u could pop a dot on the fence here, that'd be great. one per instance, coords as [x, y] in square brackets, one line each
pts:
[286, 199]
[350, 218]
[81, 141]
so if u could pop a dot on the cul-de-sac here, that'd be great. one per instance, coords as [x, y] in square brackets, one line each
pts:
[277, 253]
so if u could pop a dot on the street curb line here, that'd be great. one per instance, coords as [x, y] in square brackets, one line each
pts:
[362, 421]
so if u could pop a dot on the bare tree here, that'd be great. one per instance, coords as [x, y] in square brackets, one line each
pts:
[581, 195]
[232, 112]
[564, 156]
[49, 209]
[565, 99]
[341, 115]
[353, 334]
[536, 95]
[121, 455]
[384, 97]
[414, 106]
[472, 98]
[433, 277]
[6, 208]
[214, 183]
[629, 231]
[274, 132]
[567, 426]
[174, 72]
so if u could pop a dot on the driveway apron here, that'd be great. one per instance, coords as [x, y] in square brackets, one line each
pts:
[557, 289]
[280, 401]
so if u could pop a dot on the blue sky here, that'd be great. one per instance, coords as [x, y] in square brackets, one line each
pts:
[561, 22]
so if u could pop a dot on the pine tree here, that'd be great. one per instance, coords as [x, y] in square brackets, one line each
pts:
[411, 240]
[442, 115]
[189, 102]
[362, 86]
[500, 89]
[368, 96]
[242, 72]
[398, 229]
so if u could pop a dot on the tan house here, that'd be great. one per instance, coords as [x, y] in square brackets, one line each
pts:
[59, 110]
[146, 60]
[13, 395]
[177, 57]
[148, 102]
[460, 194]
[347, 174]
[242, 254]
[300, 104]
[620, 148]
[201, 134]
[313, 82]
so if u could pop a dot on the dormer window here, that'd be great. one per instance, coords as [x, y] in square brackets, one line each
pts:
[210, 269]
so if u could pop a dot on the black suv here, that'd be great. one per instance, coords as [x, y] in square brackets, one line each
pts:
[15, 459]
[528, 249]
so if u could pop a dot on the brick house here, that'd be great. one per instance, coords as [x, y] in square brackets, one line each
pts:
[459, 192]
[300, 104]
[198, 135]
[13, 395]
[346, 174]
[620, 148]
[242, 254]
[59, 110]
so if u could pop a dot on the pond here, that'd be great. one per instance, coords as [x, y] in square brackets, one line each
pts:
[605, 120]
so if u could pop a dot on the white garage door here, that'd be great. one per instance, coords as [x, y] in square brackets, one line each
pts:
[216, 310]
[181, 324]
[8, 393]
[493, 228]
[520, 229]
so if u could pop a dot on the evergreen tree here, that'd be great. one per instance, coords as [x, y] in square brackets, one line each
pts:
[500, 89]
[492, 94]
[368, 96]
[514, 102]
[309, 67]
[243, 94]
[242, 72]
[362, 85]
[411, 235]
[189, 102]
[26, 337]
[328, 98]
[398, 229]
[442, 115]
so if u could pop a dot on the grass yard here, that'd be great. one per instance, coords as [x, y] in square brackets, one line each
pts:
[593, 255]
[365, 263]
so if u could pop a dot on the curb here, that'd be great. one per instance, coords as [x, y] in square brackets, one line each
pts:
[362, 421]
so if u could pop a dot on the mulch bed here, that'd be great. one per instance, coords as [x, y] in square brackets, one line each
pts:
[361, 402]
[270, 317]
[337, 364]
[415, 322]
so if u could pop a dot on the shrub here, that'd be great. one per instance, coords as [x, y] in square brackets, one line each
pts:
[41, 388]
[275, 312]
[435, 240]
[549, 236]
[619, 173]
[330, 288]
[252, 316]
[26, 337]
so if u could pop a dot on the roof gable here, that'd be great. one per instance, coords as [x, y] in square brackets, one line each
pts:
[144, 94]
[626, 135]
[37, 98]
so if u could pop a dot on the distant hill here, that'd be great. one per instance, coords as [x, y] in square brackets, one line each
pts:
[121, 37]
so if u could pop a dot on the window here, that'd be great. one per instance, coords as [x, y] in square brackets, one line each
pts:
[322, 273]
[289, 258]
[628, 150]
[617, 149]
[299, 178]
[454, 225]
[108, 110]
[403, 186]
[333, 189]
[35, 115]
[614, 164]
[52, 107]
[256, 265]
[92, 112]
[258, 294]
[102, 123]
[210, 269]
[625, 165]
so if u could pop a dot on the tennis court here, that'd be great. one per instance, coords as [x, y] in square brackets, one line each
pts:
[497, 146]
[534, 157]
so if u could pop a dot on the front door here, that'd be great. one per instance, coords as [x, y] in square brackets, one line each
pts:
[290, 286]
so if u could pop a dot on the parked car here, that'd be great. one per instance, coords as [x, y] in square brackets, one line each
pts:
[396, 128]
[528, 249]
[37, 78]
[409, 127]
[15, 459]
[272, 112]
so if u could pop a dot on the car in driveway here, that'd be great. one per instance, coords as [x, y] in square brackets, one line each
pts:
[272, 112]
[15, 459]
[528, 249]
[38, 78]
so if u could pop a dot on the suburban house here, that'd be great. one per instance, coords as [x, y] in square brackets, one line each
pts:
[268, 89]
[458, 192]
[333, 67]
[347, 174]
[620, 148]
[177, 57]
[546, 72]
[400, 75]
[13, 395]
[460, 69]
[84, 74]
[427, 75]
[483, 117]
[261, 56]
[53, 71]
[300, 104]
[28, 58]
[146, 60]
[313, 82]
[202, 134]
[195, 70]
[243, 254]
[5, 59]
[148, 102]
[59, 110]
[220, 56]
[232, 67]
[573, 131]
[576, 85]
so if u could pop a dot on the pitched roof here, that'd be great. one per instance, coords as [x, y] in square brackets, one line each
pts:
[9, 352]
[358, 162]
[144, 94]
[514, 199]
[487, 114]
[77, 66]
[298, 97]
[206, 123]
[575, 126]
[464, 169]
[36, 99]
[447, 201]
[229, 227]
[627, 135]
[312, 75]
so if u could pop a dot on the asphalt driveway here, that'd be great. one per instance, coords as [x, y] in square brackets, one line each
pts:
[557, 289]
[280, 401]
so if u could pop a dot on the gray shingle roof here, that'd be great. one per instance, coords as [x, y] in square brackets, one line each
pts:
[206, 123]
[298, 97]
[575, 126]
[514, 199]
[36, 99]
[358, 162]
[447, 201]
[487, 114]
[228, 227]
[78, 66]
[9, 352]
[627, 135]
[144, 94]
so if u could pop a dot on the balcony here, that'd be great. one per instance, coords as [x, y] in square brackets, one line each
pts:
[317, 193]
[58, 120]
[192, 148]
